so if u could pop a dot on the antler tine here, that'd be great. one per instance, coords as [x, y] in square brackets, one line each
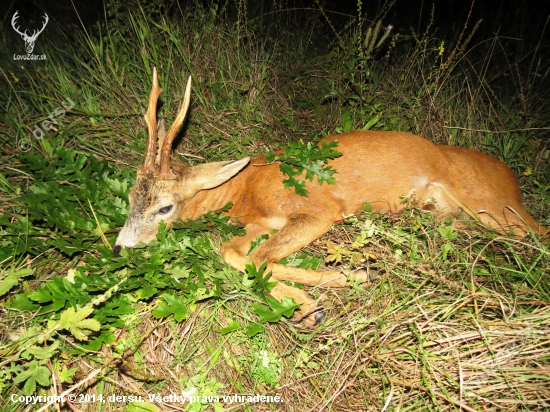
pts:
[165, 172]
[151, 120]
[14, 22]
[46, 20]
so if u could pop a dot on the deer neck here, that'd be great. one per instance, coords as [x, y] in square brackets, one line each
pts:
[211, 199]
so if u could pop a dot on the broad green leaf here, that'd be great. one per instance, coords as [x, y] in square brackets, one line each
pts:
[254, 329]
[76, 323]
[285, 307]
[11, 277]
[22, 302]
[34, 373]
[232, 327]
[173, 305]
[262, 283]
[41, 352]
[309, 157]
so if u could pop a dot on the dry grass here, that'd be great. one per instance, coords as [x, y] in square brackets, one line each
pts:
[431, 334]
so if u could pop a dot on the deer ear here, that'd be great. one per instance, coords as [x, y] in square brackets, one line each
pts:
[211, 175]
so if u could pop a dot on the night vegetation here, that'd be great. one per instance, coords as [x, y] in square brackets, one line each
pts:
[456, 317]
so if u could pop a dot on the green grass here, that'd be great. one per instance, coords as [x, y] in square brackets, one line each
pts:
[454, 316]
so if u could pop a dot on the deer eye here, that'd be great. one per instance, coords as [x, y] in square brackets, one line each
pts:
[164, 210]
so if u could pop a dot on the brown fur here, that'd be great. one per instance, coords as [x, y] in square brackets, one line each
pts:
[376, 167]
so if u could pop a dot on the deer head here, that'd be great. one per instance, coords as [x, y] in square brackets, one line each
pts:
[29, 40]
[162, 188]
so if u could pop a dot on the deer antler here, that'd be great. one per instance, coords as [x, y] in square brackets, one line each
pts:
[151, 120]
[36, 33]
[165, 172]
[14, 22]
[24, 34]
[161, 133]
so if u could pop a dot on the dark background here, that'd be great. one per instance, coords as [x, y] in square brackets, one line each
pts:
[507, 17]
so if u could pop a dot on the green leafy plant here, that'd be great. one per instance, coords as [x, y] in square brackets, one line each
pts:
[55, 210]
[309, 157]
[10, 277]
[259, 281]
[93, 299]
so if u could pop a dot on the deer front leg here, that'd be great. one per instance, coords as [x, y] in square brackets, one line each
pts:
[235, 253]
[299, 231]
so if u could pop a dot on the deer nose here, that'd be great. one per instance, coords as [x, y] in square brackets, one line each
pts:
[116, 250]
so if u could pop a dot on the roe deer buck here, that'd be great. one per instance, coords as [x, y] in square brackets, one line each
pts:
[376, 167]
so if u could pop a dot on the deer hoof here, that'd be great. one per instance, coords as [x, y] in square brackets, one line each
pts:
[319, 317]
[311, 318]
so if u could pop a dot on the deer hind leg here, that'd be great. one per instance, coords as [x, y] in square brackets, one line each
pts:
[502, 212]
[298, 232]
[508, 219]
